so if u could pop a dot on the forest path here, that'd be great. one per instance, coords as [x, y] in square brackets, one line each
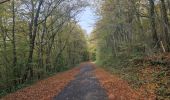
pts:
[86, 82]
[79, 83]
[85, 86]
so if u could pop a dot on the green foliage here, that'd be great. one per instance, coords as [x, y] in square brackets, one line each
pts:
[59, 43]
[126, 32]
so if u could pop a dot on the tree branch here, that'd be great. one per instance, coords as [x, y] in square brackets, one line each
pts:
[3, 1]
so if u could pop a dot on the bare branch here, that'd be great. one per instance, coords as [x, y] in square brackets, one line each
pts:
[3, 1]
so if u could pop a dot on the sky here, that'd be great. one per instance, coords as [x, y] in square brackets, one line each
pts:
[87, 19]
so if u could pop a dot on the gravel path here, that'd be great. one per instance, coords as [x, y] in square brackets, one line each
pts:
[85, 86]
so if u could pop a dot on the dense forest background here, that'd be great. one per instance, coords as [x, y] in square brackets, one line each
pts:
[38, 38]
[131, 35]
[131, 38]
[127, 27]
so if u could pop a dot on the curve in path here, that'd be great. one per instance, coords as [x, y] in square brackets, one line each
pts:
[85, 86]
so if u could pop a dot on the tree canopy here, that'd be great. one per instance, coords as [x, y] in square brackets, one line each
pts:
[39, 37]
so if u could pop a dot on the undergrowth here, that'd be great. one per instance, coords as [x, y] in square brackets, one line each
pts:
[7, 90]
[151, 73]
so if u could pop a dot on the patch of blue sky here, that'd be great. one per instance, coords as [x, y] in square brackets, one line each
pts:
[87, 19]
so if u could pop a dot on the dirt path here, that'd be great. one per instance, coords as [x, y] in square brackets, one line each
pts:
[84, 87]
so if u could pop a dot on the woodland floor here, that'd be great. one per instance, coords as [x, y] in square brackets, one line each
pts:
[86, 82]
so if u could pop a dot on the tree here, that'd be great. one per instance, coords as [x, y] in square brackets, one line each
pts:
[33, 25]
[38, 37]
[152, 22]
[127, 27]
[13, 35]
[165, 23]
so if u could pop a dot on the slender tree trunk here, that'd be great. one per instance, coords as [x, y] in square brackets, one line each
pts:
[32, 41]
[139, 22]
[32, 35]
[165, 23]
[47, 60]
[13, 36]
[41, 45]
[4, 48]
[168, 1]
[152, 22]
[4, 38]
[30, 44]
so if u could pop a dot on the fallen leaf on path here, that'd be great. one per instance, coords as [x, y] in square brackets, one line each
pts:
[45, 89]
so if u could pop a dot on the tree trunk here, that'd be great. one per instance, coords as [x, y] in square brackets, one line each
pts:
[13, 35]
[138, 19]
[42, 44]
[32, 35]
[152, 22]
[168, 1]
[165, 24]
